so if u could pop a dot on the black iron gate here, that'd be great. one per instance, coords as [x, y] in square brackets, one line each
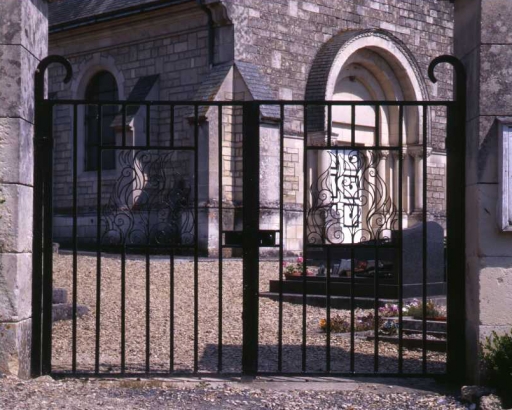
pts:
[348, 212]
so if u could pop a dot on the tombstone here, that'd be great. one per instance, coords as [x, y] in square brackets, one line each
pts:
[389, 267]
[412, 260]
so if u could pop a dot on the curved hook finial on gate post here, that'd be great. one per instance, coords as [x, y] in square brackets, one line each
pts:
[41, 71]
[460, 74]
[455, 217]
[41, 116]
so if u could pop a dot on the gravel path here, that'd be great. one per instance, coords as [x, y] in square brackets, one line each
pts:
[44, 393]
[110, 338]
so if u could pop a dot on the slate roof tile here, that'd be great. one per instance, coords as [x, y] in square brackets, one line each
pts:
[61, 12]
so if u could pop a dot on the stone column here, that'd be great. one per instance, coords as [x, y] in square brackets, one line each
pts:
[483, 41]
[396, 178]
[23, 42]
[417, 154]
[406, 182]
[418, 180]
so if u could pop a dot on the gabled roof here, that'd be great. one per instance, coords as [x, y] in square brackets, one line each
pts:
[257, 84]
[211, 85]
[63, 14]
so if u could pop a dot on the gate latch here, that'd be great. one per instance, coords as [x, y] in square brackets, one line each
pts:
[234, 239]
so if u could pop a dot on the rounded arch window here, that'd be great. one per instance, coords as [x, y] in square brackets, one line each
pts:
[98, 121]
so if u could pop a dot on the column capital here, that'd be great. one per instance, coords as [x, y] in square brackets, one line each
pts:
[416, 151]
[384, 154]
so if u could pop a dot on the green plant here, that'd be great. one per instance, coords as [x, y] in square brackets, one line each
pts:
[497, 363]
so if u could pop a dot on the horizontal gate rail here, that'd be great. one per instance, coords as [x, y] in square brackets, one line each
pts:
[238, 103]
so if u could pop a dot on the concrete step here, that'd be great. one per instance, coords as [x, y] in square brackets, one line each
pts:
[410, 343]
[64, 311]
[417, 324]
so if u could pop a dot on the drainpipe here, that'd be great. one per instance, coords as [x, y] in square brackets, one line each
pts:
[211, 33]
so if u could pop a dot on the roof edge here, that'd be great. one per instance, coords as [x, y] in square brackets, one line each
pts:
[115, 15]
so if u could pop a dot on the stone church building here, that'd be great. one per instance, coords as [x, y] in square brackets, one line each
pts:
[223, 50]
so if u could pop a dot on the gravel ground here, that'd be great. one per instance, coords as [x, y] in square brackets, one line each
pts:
[183, 344]
[44, 393]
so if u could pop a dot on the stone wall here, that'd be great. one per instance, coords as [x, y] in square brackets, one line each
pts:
[283, 38]
[23, 42]
[279, 38]
[172, 45]
[436, 187]
[483, 40]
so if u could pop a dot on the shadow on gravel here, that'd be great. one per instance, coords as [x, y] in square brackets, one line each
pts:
[315, 361]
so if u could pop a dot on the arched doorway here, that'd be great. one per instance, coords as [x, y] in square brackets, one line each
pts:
[355, 191]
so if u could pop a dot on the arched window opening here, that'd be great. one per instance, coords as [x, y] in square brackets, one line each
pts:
[101, 87]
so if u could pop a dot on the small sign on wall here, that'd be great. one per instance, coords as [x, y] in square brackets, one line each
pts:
[505, 175]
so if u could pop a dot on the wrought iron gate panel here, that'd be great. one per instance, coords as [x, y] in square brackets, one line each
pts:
[352, 205]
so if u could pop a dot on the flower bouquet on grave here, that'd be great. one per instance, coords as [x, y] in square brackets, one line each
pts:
[415, 309]
[293, 270]
[389, 310]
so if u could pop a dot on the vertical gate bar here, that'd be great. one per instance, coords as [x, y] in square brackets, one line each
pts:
[148, 125]
[123, 266]
[75, 264]
[48, 247]
[328, 312]
[281, 234]
[456, 232]
[148, 259]
[329, 125]
[41, 121]
[171, 312]
[400, 228]
[123, 108]
[328, 276]
[171, 269]
[172, 126]
[196, 236]
[455, 219]
[123, 306]
[353, 126]
[352, 313]
[37, 262]
[424, 245]
[221, 229]
[377, 239]
[99, 165]
[148, 304]
[304, 239]
[352, 259]
[251, 220]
